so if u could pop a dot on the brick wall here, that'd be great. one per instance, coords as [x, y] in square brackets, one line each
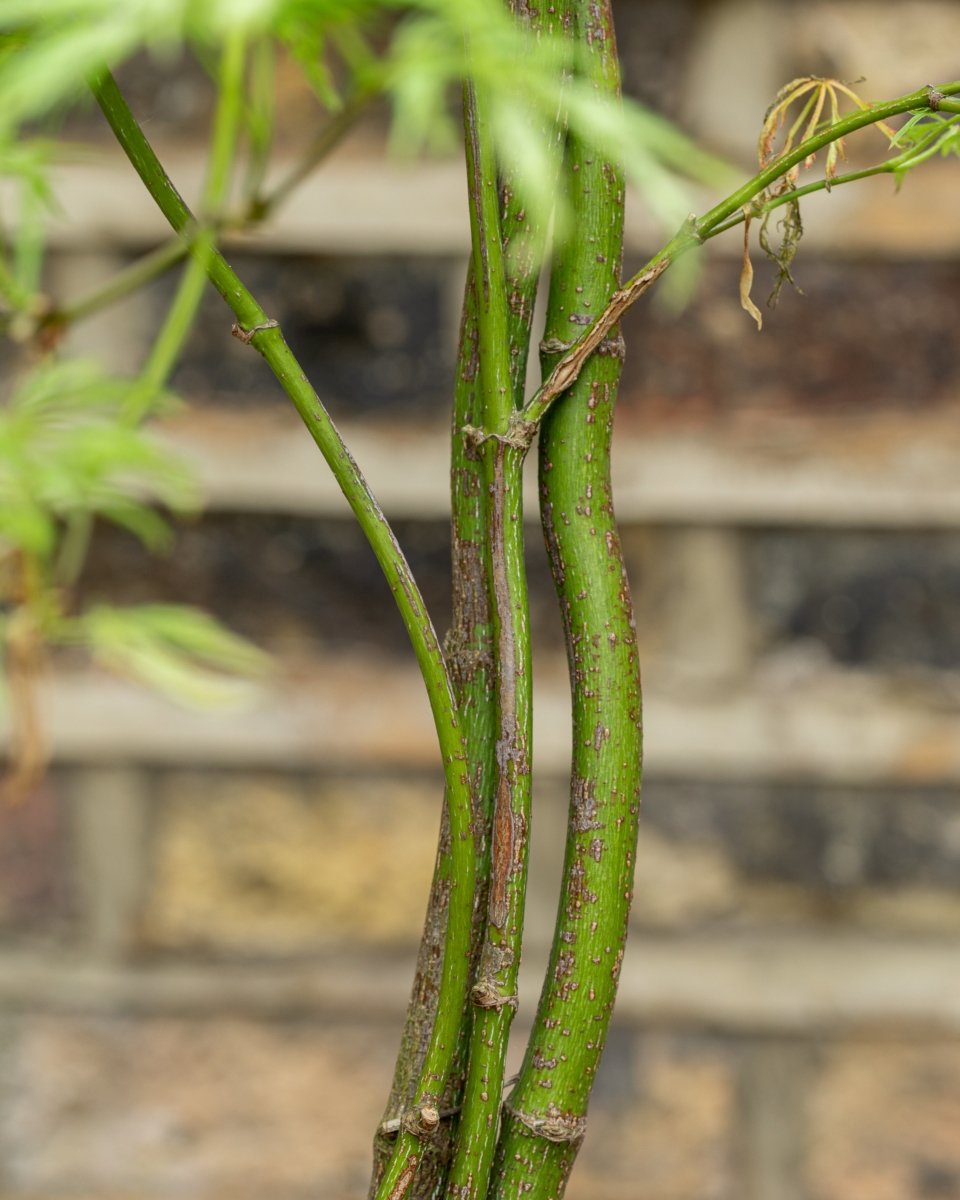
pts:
[207, 922]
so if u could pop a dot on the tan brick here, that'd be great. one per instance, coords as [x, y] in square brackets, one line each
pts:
[173, 1108]
[275, 864]
[683, 885]
[884, 1122]
[671, 1139]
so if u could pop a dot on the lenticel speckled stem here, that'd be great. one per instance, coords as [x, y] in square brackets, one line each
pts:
[545, 1115]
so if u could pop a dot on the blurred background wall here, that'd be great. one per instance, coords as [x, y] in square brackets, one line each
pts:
[207, 922]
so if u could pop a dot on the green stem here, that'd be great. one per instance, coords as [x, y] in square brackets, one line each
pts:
[494, 990]
[156, 262]
[924, 98]
[696, 230]
[328, 138]
[226, 127]
[130, 279]
[906, 161]
[470, 660]
[545, 1117]
[259, 114]
[254, 326]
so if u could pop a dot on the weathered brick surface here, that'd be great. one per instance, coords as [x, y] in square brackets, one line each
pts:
[375, 335]
[661, 1123]
[34, 862]
[883, 1121]
[171, 1108]
[737, 856]
[866, 335]
[747, 854]
[278, 864]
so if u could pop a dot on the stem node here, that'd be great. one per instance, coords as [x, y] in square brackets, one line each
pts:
[486, 994]
[247, 335]
[554, 1127]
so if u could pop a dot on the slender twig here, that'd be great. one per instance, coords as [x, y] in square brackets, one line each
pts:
[328, 139]
[923, 99]
[696, 230]
[179, 321]
[505, 263]
[158, 261]
[254, 325]
[898, 165]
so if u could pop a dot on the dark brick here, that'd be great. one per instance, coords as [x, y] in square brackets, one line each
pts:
[875, 599]
[865, 336]
[296, 583]
[372, 335]
[790, 832]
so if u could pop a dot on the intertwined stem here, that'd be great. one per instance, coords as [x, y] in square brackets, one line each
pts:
[494, 989]
[545, 1116]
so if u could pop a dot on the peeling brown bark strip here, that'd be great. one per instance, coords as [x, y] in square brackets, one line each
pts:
[575, 355]
[469, 653]
[402, 1186]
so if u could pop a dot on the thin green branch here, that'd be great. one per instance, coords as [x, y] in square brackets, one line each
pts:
[897, 166]
[470, 659]
[494, 990]
[505, 266]
[928, 98]
[696, 230]
[489, 268]
[159, 260]
[254, 327]
[133, 277]
[179, 321]
[325, 141]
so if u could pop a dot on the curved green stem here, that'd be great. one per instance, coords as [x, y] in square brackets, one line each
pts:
[899, 165]
[226, 127]
[696, 230]
[924, 98]
[544, 1119]
[255, 327]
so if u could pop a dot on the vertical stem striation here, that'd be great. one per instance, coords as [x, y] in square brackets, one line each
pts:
[470, 651]
[494, 990]
[470, 660]
[545, 1118]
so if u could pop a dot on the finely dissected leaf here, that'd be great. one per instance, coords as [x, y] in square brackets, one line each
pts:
[180, 651]
[62, 42]
[65, 448]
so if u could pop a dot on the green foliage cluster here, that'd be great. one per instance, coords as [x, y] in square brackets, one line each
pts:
[75, 442]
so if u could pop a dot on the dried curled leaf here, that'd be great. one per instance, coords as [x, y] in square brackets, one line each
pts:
[746, 275]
